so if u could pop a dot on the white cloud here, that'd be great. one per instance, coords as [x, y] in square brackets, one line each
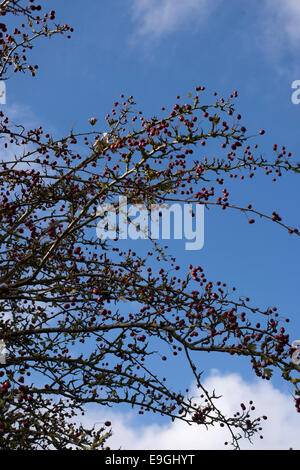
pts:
[156, 18]
[277, 27]
[278, 34]
[280, 431]
[20, 114]
[285, 18]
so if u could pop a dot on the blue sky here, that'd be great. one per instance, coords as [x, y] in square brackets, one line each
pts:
[154, 50]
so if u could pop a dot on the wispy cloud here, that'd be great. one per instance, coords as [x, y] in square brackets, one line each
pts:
[20, 114]
[280, 431]
[276, 29]
[285, 17]
[279, 33]
[157, 18]
[17, 114]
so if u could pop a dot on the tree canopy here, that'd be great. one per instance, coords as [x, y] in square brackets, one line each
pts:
[70, 338]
